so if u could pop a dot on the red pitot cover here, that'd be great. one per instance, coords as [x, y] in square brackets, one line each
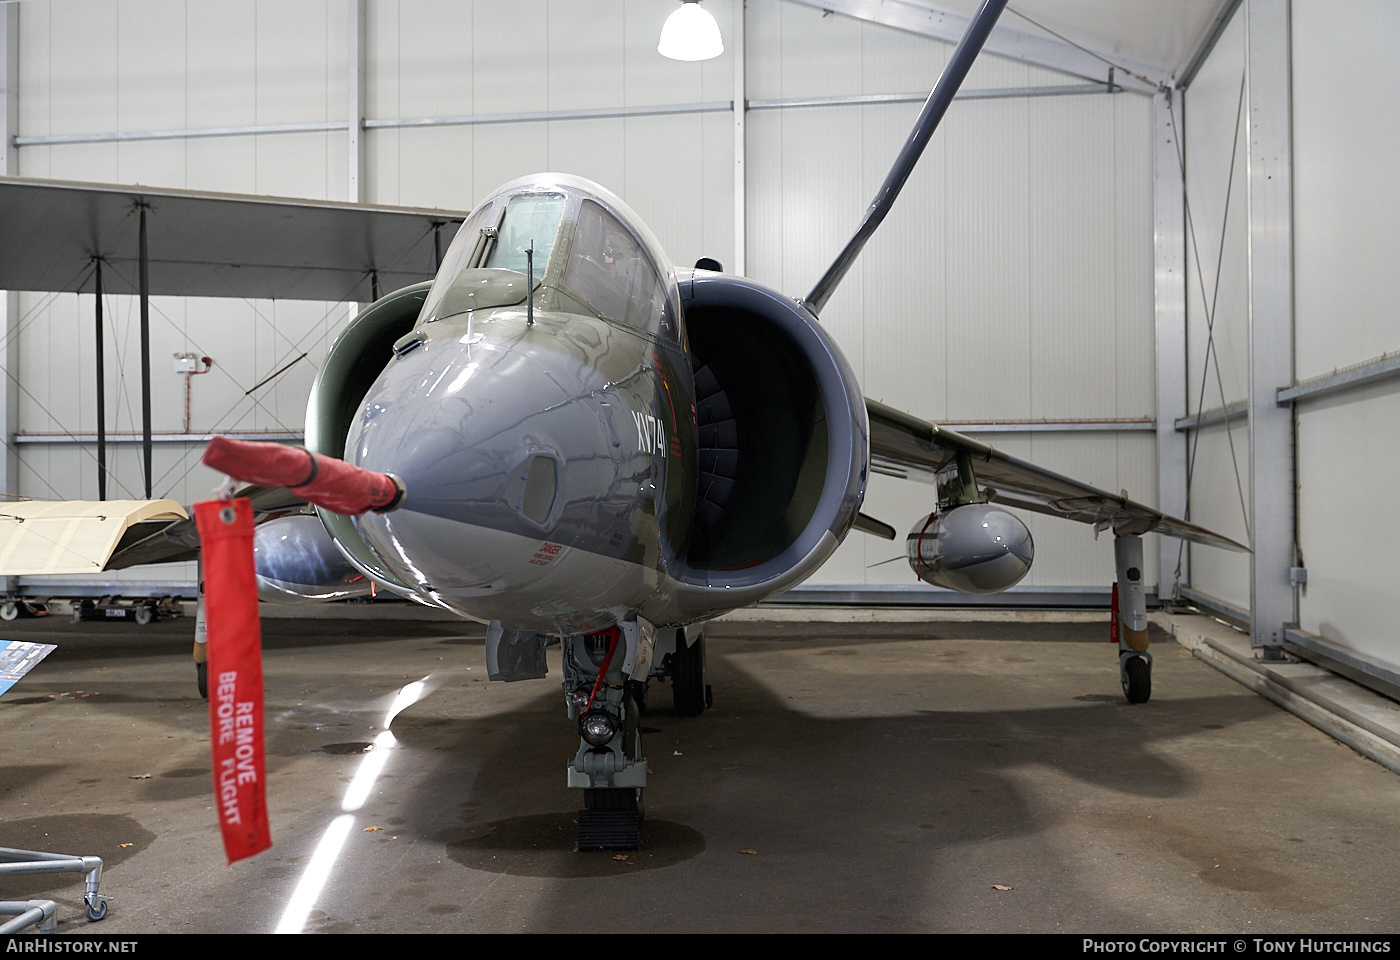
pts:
[324, 481]
[235, 674]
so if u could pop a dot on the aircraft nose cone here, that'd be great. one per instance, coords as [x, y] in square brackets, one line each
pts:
[481, 436]
[457, 422]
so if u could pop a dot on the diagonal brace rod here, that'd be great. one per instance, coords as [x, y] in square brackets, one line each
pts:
[935, 107]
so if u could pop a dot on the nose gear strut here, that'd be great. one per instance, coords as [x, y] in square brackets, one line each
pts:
[609, 766]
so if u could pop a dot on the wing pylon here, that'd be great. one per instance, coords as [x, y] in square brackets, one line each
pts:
[905, 446]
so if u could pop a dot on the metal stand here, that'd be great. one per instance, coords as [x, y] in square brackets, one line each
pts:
[12, 607]
[17, 659]
[41, 912]
[142, 610]
[35, 861]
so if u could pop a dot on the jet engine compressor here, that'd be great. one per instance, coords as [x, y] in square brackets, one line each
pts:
[972, 548]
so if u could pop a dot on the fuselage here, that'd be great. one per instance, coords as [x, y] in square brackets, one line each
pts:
[548, 441]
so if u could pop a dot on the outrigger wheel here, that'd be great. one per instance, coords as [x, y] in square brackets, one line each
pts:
[1136, 670]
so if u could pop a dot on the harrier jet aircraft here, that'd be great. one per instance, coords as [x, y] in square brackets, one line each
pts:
[579, 443]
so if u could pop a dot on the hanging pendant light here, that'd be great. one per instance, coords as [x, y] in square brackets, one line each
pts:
[690, 33]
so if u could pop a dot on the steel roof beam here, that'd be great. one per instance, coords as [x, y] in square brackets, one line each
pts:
[1220, 19]
[1004, 41]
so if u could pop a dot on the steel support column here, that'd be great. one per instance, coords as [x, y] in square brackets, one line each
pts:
[9, 300]
[355, 116]
[101, 388]
[143, 260]
[1271, 435]
[1169, 294]
[741, 219]
[356, 112]
[9, 87]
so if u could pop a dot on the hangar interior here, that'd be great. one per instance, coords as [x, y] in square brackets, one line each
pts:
[1151, 246]
[1049, 282]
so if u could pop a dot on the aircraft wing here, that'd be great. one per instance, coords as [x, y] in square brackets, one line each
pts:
[213, 244]
[905, 446]
[46, 537]
[172, 542]
[74, 536]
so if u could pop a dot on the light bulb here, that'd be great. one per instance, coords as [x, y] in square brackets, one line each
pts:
[690, 33]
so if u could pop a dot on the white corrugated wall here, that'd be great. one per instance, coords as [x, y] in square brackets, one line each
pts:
[1346, 136]
[1012, 282]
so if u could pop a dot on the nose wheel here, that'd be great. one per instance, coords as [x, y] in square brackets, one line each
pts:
[611, 820]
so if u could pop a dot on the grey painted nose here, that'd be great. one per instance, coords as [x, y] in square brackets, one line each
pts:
[455, 422]
[482, 436]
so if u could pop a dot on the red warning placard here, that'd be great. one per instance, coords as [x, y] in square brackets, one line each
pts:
[235, 674]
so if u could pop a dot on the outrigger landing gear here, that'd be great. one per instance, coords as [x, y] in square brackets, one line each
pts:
[1130, 620]
[1136, 670]
[609, 766]
[201, 636]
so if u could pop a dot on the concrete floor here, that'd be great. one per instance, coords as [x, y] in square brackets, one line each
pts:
[851, 777]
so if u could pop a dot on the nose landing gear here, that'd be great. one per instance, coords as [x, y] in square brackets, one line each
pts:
[609, 766]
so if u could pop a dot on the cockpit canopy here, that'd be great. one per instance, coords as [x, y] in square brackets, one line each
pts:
[585, 250]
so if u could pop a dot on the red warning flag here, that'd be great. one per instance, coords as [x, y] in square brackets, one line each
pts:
[235, 674]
